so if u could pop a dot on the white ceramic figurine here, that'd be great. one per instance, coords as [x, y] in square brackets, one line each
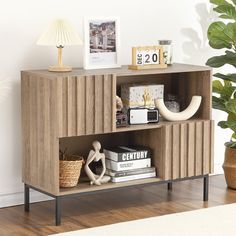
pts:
[96, 155]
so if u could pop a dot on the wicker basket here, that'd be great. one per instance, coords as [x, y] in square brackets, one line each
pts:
[70, 171]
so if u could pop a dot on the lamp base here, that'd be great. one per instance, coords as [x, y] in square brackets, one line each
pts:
[58, 68]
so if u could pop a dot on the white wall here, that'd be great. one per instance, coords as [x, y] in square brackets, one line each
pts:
[142, 23]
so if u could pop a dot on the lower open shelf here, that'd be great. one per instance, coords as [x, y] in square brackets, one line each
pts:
[85, 187]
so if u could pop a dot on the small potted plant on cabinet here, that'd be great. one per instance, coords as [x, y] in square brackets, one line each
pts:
[222, 35]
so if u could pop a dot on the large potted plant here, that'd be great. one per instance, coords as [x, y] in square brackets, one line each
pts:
[222, 35]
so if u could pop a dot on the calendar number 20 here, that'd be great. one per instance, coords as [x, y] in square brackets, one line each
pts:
[147, 58]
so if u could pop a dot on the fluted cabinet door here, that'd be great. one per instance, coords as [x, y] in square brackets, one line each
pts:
[187, 149]
[87, 104]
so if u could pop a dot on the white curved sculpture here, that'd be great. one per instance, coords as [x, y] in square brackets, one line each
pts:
[177, 116]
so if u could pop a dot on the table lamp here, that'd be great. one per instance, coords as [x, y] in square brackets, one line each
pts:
[60, 33]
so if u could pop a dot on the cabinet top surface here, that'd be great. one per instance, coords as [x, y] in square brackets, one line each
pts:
[123, 71]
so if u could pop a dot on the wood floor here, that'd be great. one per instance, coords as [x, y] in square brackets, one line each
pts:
[113, 207]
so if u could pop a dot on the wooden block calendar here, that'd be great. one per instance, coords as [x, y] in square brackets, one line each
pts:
[148, 57]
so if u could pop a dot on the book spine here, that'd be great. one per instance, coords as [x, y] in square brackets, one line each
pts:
[130, 172]
[133, 177]
[110, 155]
[129, 165]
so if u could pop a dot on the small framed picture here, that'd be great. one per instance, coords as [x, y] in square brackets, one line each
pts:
[101, 42]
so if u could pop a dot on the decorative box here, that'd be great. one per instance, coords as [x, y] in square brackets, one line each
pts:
[139, 95]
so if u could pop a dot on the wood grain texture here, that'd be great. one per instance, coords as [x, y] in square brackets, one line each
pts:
[212, 147]
[183, 150]
[99, 104]
[191, 149]
[40, 145]
[124, 71]
[85, 187]
[151, 138]
[61, 107]
[72, 106]
[187, 150]
[167, 154]
[175, 151]
[87, 104]
[196, 83]
[206, 151]
[80, 96]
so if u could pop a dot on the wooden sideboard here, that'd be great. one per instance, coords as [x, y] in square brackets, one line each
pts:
[73, 109]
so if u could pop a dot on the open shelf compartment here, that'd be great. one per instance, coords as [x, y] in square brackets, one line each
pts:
[178, 150]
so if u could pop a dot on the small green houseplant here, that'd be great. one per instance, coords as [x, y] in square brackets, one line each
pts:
[222, 35]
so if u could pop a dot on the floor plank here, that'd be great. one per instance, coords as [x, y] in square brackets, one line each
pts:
[113, 207]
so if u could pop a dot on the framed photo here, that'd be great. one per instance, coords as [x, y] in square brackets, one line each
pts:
[101, 42]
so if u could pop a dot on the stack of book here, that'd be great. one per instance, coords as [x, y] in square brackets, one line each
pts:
[126, 163]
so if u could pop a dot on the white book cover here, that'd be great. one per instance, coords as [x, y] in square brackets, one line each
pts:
[122, 153]
[128, 165]
[133, 177]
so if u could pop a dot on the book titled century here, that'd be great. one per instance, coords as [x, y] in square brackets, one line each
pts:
[124, 154]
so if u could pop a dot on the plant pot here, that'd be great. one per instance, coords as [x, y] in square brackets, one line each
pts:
[69, 171]
[229, 167]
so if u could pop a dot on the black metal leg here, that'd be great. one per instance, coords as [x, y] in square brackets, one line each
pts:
[205, 187]
[169, 185]
[58, 198]
[58, 211]
[26, 198]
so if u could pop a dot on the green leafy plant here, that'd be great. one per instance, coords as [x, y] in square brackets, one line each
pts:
[222, 35]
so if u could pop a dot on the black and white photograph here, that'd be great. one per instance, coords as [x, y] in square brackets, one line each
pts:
[101, 43]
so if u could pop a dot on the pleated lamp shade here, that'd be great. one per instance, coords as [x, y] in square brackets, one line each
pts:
[60, 33]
